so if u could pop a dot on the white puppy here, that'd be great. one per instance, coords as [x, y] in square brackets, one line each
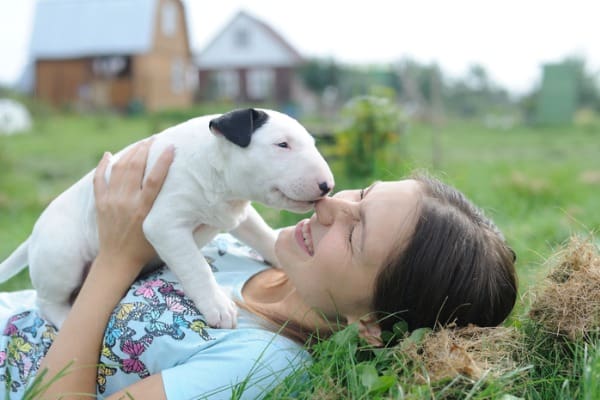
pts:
[222, 162]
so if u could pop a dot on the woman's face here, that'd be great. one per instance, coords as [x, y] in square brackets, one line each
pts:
[334, 257]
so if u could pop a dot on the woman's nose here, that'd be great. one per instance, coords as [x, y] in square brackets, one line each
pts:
[328, 208]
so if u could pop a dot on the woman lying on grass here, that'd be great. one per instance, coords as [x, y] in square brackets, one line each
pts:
[413, 249]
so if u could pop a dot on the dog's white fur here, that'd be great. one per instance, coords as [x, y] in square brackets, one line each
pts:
[207, 190]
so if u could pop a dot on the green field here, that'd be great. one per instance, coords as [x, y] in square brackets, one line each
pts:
[540, 185]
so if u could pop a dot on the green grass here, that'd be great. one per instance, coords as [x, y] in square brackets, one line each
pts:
[540, 186]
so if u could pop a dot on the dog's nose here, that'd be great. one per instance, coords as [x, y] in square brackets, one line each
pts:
[324, 188]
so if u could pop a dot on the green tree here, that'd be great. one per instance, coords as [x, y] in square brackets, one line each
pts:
[317, 74]
[372, 123]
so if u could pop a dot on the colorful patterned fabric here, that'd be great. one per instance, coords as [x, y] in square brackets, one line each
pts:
[156, 328]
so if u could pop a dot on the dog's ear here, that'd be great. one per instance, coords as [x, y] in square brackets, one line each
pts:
[238, 125]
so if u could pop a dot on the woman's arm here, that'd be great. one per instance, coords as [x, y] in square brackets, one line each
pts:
[122, 204]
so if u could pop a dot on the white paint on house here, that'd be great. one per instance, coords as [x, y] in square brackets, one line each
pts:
[247, 42]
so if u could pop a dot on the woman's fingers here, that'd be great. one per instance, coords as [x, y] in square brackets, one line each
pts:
[123, 204]
[155, 179]
[128, 172]
[100, 185]
[137, 166]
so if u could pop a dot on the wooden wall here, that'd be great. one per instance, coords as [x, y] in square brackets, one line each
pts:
[151, 80]
[59, 81]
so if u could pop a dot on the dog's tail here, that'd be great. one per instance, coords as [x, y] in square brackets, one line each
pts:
[15, 262]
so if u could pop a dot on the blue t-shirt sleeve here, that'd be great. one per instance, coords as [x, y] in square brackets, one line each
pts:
[250, 365]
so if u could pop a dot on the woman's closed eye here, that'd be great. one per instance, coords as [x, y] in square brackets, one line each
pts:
[353, 225]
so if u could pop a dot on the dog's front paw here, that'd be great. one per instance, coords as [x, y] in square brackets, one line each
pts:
[219, 310]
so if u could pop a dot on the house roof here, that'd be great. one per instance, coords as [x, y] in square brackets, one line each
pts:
[263, 47]
[77, 28]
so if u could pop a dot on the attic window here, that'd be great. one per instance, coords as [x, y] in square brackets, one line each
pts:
[241, 38]
[111, 66]
[169, 19]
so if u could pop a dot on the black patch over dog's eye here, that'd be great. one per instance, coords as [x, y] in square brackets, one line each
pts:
[283, 145]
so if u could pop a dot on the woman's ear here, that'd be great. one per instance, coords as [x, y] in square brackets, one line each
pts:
[368, 329]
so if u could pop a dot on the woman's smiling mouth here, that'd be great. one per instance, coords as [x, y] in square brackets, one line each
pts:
[304, 236]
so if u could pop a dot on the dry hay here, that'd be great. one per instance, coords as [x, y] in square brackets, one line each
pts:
[568, 303]
[591, 177]
[330, 389]
[529, 184]
[472, 352]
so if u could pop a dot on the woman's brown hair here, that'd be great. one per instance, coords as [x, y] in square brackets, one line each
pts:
[456, 267]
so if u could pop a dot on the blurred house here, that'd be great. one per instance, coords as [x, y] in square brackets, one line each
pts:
[112, 54]
[248, 61]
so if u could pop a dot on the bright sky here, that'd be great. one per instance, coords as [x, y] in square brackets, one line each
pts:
[510, 38]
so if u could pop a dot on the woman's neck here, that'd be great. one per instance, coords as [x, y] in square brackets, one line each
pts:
[271, 292]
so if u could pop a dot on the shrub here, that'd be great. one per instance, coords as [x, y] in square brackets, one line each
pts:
[371, 124]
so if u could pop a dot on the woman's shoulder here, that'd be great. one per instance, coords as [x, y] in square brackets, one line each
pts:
[246, 362]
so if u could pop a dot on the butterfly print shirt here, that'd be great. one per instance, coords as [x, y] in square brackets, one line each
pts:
[156, 328]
